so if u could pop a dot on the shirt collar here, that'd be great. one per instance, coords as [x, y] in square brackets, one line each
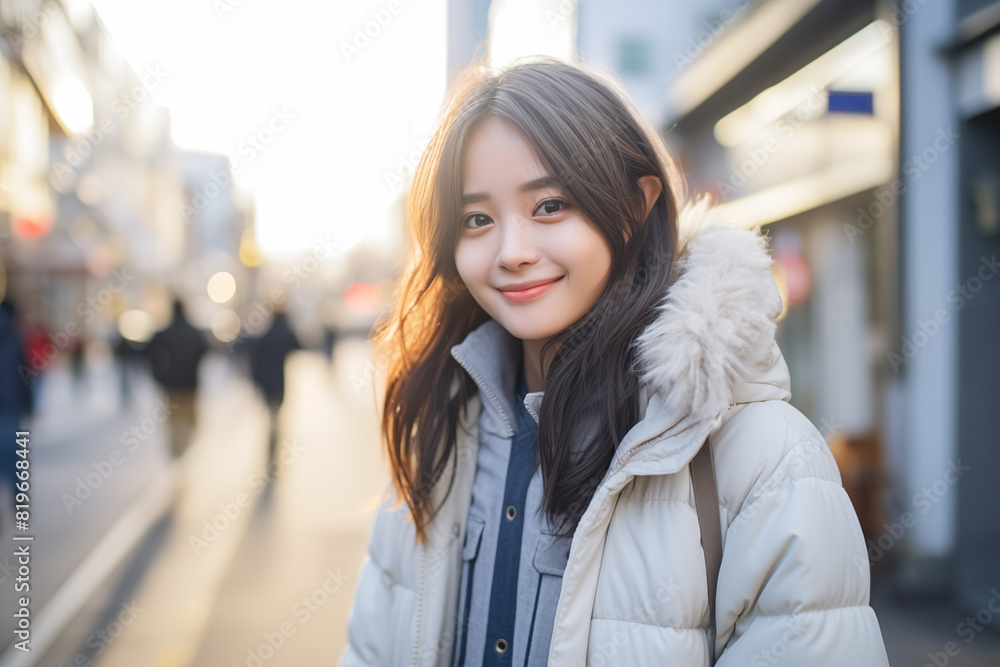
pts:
[491, 354]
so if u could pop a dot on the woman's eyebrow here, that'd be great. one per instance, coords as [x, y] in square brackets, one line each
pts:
[537, 184]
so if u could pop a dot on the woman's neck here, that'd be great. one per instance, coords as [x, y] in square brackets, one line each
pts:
[534, 373]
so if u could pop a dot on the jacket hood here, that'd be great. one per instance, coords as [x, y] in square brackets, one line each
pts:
[712, 345]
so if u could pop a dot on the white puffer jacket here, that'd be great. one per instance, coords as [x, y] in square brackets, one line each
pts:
[794, 583]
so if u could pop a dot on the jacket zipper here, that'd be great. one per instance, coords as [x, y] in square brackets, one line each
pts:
[618, 466]
[629, 454]
[642, 445]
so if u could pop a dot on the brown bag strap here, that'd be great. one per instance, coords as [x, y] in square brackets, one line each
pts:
[706, 500]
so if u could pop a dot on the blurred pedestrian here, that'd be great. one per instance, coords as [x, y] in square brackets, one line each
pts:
[329, 340]
[267, 368]
[16, 398]
[327, 313]
[174, 354]
[128, 354]
[36, 349]
[76, 349]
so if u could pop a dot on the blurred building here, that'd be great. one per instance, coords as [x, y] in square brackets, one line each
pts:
[468, 21]
[99, 211]
[864, 135]
[964, 223]
[217, 218]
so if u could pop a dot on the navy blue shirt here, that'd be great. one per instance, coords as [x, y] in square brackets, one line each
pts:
[511, 565]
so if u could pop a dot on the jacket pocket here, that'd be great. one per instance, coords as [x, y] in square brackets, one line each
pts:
[473, 536]
[551, 554]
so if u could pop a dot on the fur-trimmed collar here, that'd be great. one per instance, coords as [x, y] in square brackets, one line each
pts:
[713, 342]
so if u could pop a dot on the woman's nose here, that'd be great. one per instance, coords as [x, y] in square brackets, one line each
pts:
[517, 245]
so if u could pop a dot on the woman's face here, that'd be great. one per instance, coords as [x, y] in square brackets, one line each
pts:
[518, 228]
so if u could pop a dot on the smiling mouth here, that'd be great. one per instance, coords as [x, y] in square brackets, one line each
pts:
[529, 293]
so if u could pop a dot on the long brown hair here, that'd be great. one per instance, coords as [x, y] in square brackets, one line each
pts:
[585, 130]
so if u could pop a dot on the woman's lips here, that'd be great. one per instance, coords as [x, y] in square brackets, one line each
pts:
[530, 293]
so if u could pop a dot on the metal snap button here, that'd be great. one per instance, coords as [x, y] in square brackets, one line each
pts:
[501, 645]
[455, 530]
[511, 512]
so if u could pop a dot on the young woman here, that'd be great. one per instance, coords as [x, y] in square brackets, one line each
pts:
[568, 332]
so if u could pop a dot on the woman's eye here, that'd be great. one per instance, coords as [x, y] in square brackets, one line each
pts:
[552, 206]
[475, 218]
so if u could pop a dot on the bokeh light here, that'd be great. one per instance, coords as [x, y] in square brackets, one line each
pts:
[226, 325]
[136, 325]
[221, 287]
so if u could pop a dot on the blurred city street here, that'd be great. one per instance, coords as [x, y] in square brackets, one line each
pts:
[286, 543]
[206, 208]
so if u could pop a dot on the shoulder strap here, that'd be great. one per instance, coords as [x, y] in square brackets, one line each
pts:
[706, 500]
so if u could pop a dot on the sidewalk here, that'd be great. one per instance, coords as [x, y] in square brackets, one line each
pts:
[249, 551]
[76, 492]
[286, 597]
[156, 616]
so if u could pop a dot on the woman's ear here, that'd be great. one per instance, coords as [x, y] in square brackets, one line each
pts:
[651, 188]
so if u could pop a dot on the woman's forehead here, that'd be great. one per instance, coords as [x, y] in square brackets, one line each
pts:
[498, 157]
